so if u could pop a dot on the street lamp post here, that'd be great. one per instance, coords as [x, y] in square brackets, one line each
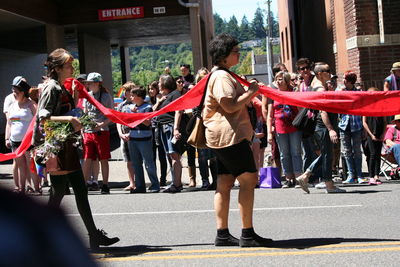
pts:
[268, 43]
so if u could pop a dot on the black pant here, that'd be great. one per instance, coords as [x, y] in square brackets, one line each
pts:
[191, 156]
[374, 163]
[58, 183]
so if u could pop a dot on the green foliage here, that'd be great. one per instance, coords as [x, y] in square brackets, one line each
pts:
[257, 25]
[245, 32]
[75, 64]
[232, 27]
[148, 63]
[245, 67]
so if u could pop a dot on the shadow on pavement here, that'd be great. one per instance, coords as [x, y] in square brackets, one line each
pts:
[5, 176]
[138, 250]
[315, 242]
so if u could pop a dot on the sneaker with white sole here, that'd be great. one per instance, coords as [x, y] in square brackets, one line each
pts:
[349, 181]
[321, 185]
[335, 190]
[362, 180]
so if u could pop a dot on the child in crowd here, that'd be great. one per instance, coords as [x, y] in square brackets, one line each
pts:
[141, 145]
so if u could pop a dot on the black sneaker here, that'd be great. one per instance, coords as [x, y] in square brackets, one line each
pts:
[138, 191]
[228, 241]
[173, 189]
[93, 187]
[99, 238]
[105, 189]
[254, 241]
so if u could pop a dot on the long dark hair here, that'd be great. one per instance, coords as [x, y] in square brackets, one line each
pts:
[55, 59]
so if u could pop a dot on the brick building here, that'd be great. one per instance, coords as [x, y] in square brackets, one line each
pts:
[358, 35]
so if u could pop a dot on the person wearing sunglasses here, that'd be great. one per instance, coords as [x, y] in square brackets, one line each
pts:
[304, 66]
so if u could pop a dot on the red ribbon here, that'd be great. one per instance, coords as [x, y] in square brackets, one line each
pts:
[345, 102]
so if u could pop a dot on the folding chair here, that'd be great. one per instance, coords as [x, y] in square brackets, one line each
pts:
[388, 162]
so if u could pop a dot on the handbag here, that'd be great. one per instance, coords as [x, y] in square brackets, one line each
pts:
[197, 137]
[270, 178]
[195, 127]
[306, 121]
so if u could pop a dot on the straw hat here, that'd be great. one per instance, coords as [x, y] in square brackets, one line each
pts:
[396, 66]
[396, 118]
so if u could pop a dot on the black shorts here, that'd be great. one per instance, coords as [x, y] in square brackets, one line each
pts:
[236, 159]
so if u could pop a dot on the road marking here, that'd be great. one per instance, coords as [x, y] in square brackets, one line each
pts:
[258, 249]
[238, 255]
[212, 211]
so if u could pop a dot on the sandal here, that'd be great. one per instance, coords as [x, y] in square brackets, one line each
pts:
[29, 190]
[128, 188]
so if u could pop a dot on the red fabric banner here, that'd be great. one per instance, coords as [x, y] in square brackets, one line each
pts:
[345, 102]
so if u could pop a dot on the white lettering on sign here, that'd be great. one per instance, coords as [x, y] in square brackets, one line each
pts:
[121, 13]
[159, 10]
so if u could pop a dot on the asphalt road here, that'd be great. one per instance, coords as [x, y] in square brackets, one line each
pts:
[358, 228]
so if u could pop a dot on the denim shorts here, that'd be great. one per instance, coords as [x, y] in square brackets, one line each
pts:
[167, 134]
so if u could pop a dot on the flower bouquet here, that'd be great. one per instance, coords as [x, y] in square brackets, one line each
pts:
[55, 135]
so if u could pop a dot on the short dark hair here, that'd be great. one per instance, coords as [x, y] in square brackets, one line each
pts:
[303, 61]
[185, 66]
[167, 82]
[139, 91]
[350, 76]
[221, 46]
[277, 68]
[320, 67]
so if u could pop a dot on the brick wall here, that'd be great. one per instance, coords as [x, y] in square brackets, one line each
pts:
[372, 64]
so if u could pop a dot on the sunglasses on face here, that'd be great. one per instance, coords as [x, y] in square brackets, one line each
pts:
[305, 68]
[327, 71]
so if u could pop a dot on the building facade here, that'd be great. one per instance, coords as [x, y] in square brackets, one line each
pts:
[90, 29]
[358, 35]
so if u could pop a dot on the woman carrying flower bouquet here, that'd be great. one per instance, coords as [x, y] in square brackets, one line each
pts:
[54, 103]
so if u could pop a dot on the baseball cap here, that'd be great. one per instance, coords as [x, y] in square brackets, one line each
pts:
[82, 77]
[94, 77]
[21, 83]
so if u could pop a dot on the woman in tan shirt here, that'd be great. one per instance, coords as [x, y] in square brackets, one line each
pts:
[228, 134]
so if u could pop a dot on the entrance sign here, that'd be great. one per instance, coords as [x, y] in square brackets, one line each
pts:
[121, 13]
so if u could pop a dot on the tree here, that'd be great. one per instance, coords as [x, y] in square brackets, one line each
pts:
[274, 27]
[257, 25]
[245, 33]
[232, 27]
[219, 24]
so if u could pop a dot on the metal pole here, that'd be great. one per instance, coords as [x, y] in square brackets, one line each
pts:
[268, 43]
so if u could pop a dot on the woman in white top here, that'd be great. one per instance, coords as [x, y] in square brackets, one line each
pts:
[20, 115]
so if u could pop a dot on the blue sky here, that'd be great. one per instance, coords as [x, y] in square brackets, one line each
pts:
[239, 8]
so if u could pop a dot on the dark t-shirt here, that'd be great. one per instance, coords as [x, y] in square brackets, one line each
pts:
[187, 80]
[168, 118]
[333, 118]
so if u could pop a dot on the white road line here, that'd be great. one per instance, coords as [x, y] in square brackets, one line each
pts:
[208, 211]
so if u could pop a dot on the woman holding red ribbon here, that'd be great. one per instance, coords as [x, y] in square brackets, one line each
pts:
[228, 134]
[54, 104]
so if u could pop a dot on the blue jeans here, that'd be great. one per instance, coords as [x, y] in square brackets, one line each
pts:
[396, 152]
[351, 150]
[290, 152]
[324, 160]
[142, 151]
